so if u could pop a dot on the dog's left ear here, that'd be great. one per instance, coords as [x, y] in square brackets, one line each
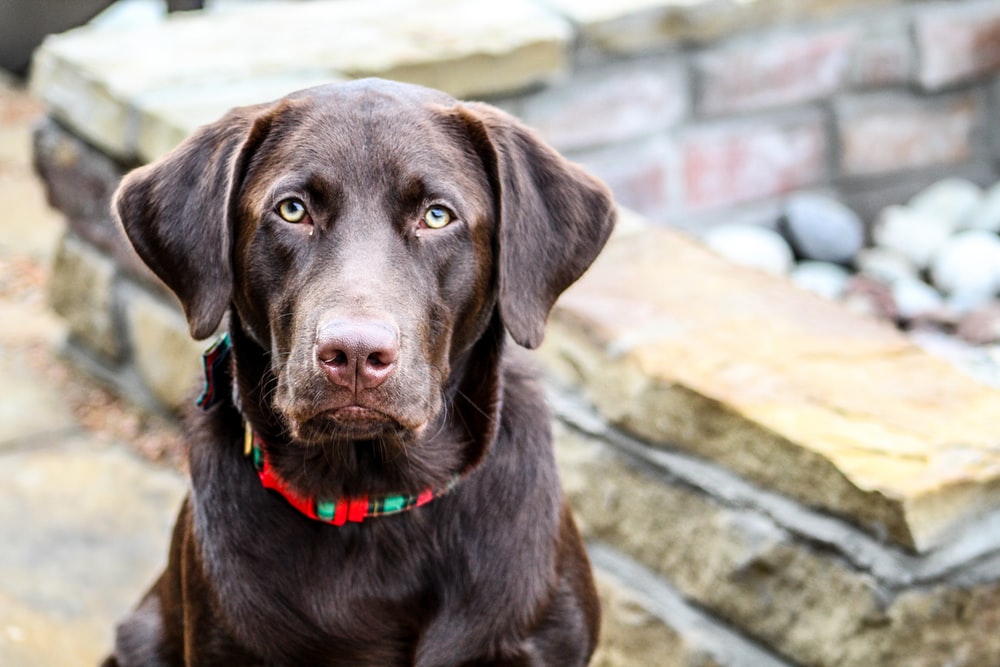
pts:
[553, 218]
[176, 213]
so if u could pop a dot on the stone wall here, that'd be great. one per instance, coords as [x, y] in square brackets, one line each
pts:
[764, 478]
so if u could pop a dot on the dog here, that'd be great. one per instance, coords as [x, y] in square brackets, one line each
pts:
[375, 484]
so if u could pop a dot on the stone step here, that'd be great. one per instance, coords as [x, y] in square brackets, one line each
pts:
[791, 391]
[810, 587]
[136, 93]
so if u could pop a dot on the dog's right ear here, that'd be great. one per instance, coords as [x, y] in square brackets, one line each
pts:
[177, 213]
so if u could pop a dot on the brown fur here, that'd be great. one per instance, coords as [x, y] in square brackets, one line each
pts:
[370, 354]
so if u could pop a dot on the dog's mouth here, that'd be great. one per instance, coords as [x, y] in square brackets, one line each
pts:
[350, 422]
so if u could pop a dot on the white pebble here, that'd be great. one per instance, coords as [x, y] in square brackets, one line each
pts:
[968, 263]
[824, 278]
[987, 216]
[915, 298]
[751, 246]
[913, 234]
[952, 200]
[885, 265]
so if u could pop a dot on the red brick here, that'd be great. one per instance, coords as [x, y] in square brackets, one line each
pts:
[883, 133]
[731, 163]
[958, 42]
[884, 56]
[610, 104]
[642, 177]
[782, 70]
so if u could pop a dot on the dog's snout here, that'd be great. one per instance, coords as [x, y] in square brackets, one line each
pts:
[357, 354]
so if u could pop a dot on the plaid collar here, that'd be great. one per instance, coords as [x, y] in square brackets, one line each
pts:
[336, 511]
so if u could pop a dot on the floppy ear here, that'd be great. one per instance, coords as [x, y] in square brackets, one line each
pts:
[176, 213]
[553, 219]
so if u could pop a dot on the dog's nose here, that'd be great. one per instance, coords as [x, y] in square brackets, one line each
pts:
[357, 354]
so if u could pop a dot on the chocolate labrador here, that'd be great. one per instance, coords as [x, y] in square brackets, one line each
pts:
[376, 484]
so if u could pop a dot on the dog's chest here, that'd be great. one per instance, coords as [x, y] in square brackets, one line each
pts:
[334, 588]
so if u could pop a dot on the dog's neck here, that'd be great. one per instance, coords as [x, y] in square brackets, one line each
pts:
[236, 366]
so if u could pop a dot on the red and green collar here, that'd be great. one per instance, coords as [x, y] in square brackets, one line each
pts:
[336, 511]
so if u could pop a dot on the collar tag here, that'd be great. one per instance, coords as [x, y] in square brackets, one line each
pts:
[214, 361]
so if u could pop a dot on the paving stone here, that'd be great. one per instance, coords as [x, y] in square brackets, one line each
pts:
[85, 529]
[683, 349]
[807, 603]
[92, 77]
[29, 407]
[29, 638]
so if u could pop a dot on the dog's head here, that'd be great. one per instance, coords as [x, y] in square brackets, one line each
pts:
[367, 236]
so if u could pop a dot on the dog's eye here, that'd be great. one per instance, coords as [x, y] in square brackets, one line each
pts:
[292, 210]
[437, 217]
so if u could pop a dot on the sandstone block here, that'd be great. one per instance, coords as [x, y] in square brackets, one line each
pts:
[94, 78]
[81, 289]
[788, 587]
[774, 71]
[167, 116]
[883, 133]
[640, 26]
[610, 104]
[683, 349]
[728, 163]
[166, 359]
[957, 42]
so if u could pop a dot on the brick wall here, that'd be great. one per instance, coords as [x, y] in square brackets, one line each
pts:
[870, 103]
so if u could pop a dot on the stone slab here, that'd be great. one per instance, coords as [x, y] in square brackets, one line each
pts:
[638, 26]
[29, 407]
[685, 350]
[803, 600]
[84, 527]
[107, 84]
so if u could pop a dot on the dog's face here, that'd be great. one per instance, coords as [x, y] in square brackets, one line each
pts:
[366, 236]
[363, 260]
